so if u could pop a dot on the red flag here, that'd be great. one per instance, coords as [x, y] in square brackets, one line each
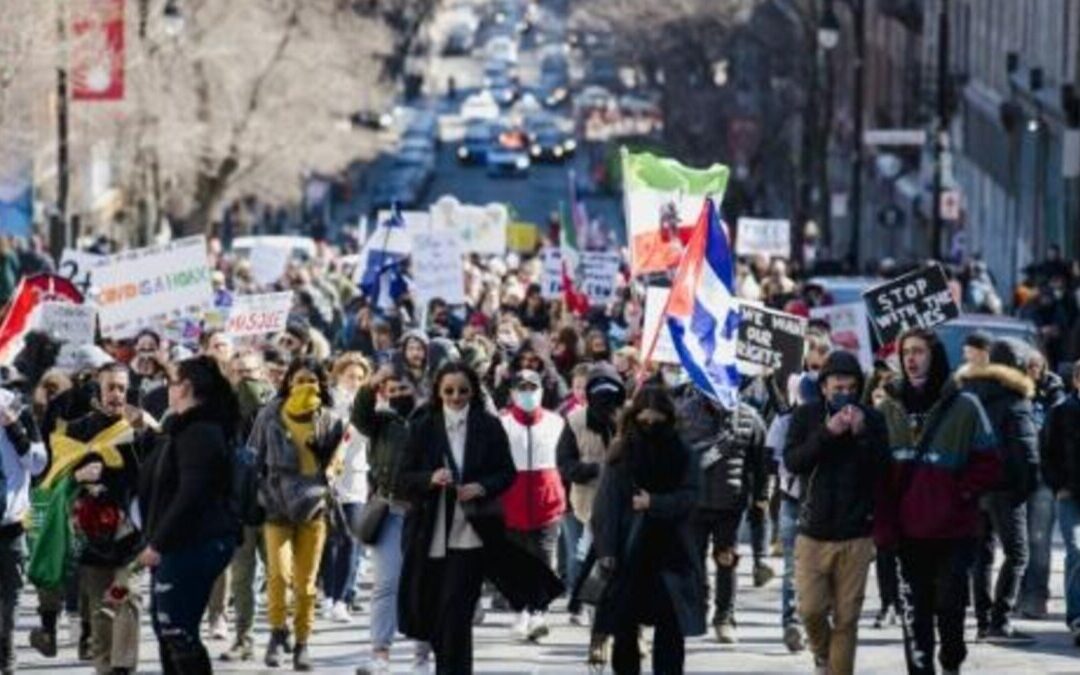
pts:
[576, 302]
[31, 292]
[97, 51]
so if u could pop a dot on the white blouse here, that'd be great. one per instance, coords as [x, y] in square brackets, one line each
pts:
[462, 535]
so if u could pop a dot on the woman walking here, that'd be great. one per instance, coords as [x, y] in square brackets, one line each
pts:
[643, 538]
[184, 493]
[296, 437]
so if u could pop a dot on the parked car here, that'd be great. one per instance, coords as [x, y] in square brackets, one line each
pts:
[509, 154]
[459, 41]
[953, 333]
[547, 142]
[476, 143]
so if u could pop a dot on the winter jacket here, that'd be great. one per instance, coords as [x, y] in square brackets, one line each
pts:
[933, 485]
[839, 474]
[1061, 447]
[388, 434]
[1049, 392]
[730, 447]
[536, 498]
[581, 453]
[22, 456]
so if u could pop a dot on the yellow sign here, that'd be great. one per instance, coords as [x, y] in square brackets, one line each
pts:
[522, 237]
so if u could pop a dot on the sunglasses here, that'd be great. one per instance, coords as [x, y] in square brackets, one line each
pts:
[456, 391]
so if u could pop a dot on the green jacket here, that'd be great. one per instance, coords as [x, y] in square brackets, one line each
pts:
[388, 434]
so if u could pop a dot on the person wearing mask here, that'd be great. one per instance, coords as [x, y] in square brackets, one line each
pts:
[529, 357]
[944, 457]
[296, 438]
[457, 466]
[536, 500]
[383, 412]
[1035, 588]
[976, 349]
[1005, 391]
[839, 449]
[189, 527]
[729, 446]
[644, 538]
[22, 457]
[1060, 454]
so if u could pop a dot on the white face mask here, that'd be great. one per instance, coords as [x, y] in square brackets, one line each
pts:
[455, 416]
[528, 401]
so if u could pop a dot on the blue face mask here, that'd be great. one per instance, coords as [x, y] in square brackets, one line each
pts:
[838, 401]
[528, 401]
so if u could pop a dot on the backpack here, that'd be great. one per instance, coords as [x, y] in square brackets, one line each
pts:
[244, 486]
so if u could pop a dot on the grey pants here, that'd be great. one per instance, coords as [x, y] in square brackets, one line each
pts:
[242, 569]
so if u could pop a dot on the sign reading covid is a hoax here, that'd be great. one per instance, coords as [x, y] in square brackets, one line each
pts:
[770, 338]
[919, 299]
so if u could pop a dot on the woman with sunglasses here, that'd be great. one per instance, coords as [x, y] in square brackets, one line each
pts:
[457, 464]
[184, 492]
[296, 437]
[643, 539]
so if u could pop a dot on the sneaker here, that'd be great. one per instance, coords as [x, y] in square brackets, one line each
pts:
[377, 665]
[1008, 634]
[886, 616]
[421, 665]
[71, 625]
[538, 627]
[763, 574]
[580, 618]
[44, 642]
[725, 633]
[520, 629]
[340, 613]
[219, 628]
[242, 650]
[793, 638]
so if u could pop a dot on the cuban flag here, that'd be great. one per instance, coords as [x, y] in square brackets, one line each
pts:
[702, 312]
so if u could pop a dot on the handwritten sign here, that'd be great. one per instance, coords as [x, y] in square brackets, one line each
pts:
[78, 266]
[551, 269]
[437, 269]
[599, 274]
[849, 329]
[268, 263]
[482, 228]
[770, 338]
[67, 322]
[917, 299]
[259, 314]
[770, 237]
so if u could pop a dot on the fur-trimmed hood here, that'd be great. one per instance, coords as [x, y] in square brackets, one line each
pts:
[980, 377]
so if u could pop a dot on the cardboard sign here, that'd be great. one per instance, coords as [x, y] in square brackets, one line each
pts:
[259, 314]
[78, 266]
[482, 228]
[437, 269]
[268, 263]
[849, 329]
[522, 237]
[599, 276]
[551, 267]
[918, 299]
[770, 338]
[144, 287]
[761, 236]
[656, 298]
[67, 322]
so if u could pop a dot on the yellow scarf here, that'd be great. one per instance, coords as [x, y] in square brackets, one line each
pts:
[301, 433]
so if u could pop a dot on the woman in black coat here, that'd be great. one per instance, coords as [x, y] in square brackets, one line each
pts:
[189, 525]
[457, 464]
[643, 539]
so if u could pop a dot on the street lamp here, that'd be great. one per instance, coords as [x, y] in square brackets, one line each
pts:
[172, 19]
[828, 33]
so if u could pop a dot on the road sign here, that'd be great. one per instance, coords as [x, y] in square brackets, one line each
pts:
[915, 137]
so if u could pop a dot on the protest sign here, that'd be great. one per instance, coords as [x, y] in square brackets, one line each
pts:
[770, 338]
[268, 263]
[771, 237]
[145, 287]
[482, 228]
[67, 322]
[78, 266]
[917, 299]
[551, 269]
[656, 298]
[297, 245]
[259, 314]
[848, 329]
[522, 237]
[437, 269]
[599, 275]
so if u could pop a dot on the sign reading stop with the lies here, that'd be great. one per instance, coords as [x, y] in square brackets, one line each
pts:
[259, 314]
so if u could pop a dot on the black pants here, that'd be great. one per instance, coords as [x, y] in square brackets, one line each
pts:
[669, 651]
[933, 586]
[888, 585]
[542, 543]
[460, 576]
[12, 564]
[721, 528]
[1000, 521]
[758, 521]
[179, 592]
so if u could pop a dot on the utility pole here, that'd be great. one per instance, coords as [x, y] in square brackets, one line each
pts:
[859, 9]
[58, 225]
[941, 131]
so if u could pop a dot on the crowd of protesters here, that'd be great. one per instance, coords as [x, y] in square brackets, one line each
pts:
[510, 451]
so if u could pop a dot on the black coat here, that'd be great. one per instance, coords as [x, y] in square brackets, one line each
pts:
[840, 474]
[1061, 447]
[523, 578]
[658, 542]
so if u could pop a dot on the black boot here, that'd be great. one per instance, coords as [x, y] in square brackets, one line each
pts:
[44, 642]
[301, 659]
[189, 660]
[7, 654]
[276, 647]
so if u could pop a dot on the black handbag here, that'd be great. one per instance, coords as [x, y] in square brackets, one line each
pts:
[367, 524]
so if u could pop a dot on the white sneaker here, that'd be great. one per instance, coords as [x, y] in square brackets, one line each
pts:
[538, 627]
[219, 629]
[339, 613]
[581, 618]
[520, 629]
[376, 665]
[70, 624]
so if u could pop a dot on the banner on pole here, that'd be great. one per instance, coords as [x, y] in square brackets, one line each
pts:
[918, 299]
[97, 50]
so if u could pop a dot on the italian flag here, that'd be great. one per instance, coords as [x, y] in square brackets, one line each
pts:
[662, 200]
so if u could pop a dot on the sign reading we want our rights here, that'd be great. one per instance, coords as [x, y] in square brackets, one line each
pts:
[145, 287]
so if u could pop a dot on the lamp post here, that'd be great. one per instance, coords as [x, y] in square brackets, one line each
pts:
[858, 8]
[941, 137]
[172, 19]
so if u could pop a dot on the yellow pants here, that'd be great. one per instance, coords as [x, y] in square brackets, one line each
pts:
[293, 553]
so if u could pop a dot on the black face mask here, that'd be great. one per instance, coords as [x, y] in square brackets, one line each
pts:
[652, 429]
[403, 405]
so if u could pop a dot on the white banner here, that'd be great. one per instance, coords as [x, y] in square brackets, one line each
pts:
[437, 269]
[67, 322]
[767, 237]
[551, 262]
[482, 228]
[78, 266]
[656, 298]
[259, 314]
[849, 328]
[145, 287]
[599, 276]
[268, 263]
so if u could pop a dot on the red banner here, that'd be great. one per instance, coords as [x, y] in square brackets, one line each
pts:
[97, 50]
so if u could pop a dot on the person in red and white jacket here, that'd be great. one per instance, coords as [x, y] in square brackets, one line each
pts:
[536, 501]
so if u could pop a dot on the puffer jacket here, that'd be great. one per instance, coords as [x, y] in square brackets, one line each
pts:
[1061, 447]
[839, 474]
[730, 446]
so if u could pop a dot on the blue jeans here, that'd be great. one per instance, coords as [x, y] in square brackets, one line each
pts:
[571, 529]
[387, 559]
[341, 557]
[179, 592]
[1069, 519]
[1035, 589]
[788, 529]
